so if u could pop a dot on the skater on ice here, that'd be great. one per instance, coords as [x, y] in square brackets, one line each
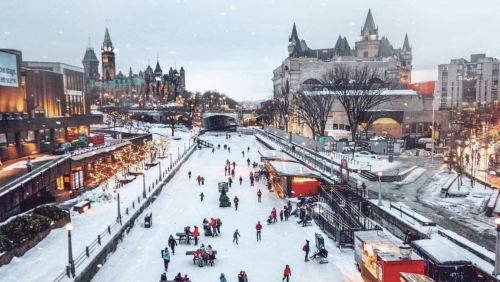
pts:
[201, 196]
[241, 180]
[258, 227]
[166, 258]
[236, 201]
[172, 243]
[287, 273]
[235, 236]
[259, 194]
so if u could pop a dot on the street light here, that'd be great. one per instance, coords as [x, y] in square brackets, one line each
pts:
[496, 270]
[379, 174]
[69, 227]
[170, 159]
[331, 165]
[303, 151]
[178, 152]
[143, 184]
[119, 219]
[159, 168]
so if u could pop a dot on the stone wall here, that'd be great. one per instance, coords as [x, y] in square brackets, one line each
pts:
[393, 224]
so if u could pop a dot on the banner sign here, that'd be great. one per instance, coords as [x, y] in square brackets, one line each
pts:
[8, 70]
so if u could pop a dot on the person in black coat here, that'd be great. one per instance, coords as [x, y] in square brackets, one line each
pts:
[172, 243]
[163, 277]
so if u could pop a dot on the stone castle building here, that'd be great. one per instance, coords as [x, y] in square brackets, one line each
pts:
[145, 89]
[305, 65]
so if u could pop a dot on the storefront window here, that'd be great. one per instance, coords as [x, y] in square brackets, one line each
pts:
[3, 140]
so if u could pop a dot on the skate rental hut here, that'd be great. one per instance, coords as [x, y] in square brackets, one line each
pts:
[292, 179]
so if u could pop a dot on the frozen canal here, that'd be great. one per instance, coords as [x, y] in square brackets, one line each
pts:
[138, 257]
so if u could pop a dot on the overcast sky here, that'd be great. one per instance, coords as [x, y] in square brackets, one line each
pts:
[233, 46]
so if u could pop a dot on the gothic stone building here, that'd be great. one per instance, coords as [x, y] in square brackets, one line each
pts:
[147, 88]
[305, 65]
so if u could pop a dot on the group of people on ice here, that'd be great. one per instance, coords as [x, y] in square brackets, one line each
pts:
[212, 227]
[206, 255]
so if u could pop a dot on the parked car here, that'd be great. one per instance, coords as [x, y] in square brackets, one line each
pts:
[63, 148]
[367, 154]
[378, 138]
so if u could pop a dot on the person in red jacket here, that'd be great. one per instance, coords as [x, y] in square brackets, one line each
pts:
[259, 228]
[198, 179]
[195, 235]
[287, 273]
[213, 224]
[274, 215]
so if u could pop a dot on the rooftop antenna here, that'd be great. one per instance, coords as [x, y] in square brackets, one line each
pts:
[90, 45]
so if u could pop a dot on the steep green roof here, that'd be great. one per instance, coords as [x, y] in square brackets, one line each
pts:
[119, 83]
[107, 38]
[149, 70]
[90, 56]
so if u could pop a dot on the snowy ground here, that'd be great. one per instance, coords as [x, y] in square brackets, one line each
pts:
[138, 257]
[49, 258]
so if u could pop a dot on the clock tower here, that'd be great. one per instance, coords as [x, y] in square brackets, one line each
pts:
[108, 58]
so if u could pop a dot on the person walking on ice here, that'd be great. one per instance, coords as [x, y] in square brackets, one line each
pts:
[222, 278]
[241, 179]
[258, 227]
[172, 243]
[236, 201]
[248, 161]
[259, 194]
[202, 180]
[201, 196]
[243, 153]
[199, 180]
[189, 174]
[235, 236]
[306, 249]
[166, 258]
[248, 149]
[287, 273]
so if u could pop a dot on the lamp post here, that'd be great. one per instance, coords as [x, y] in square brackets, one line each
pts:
[119, 219]
[69, 227]
[159, 168]
[379, 174]
[303, 151]
[170, 159]
[178, 152]
[331, 165]
[184, 147]
[496, 270]
[144, 185]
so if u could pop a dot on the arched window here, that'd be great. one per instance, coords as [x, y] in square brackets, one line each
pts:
[287, 87]
[311, 81]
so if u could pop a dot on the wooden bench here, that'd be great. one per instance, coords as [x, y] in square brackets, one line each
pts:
[191, 253]
[183, 236]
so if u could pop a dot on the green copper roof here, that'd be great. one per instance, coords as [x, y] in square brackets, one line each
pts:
[107, 38]
[90, 56]
[119, 83]
[149, 70]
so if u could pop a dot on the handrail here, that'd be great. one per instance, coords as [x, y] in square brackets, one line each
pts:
[344, 211]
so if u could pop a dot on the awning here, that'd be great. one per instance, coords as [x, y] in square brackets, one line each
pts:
[293, 169]
[271, 155]
[93, 153]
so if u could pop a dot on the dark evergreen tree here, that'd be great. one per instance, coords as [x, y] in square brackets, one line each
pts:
[224, 200]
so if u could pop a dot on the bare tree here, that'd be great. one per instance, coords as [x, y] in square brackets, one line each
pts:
[314, 106]
[282, 105]
[172, 114]
[358, 89]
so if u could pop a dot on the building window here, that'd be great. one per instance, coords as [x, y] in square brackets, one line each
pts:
[365, 54]
[495, 71]
[494, 95]
[444, 73]
[479, 66]
[495, 66]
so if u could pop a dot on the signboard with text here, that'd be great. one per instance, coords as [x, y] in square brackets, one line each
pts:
[8, 70]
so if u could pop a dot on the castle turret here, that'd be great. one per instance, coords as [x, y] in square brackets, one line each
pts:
[293, 40]
[90, 66]
[108, 57]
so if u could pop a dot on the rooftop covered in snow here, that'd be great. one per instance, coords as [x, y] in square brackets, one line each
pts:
[293, 169]
[275, 155]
